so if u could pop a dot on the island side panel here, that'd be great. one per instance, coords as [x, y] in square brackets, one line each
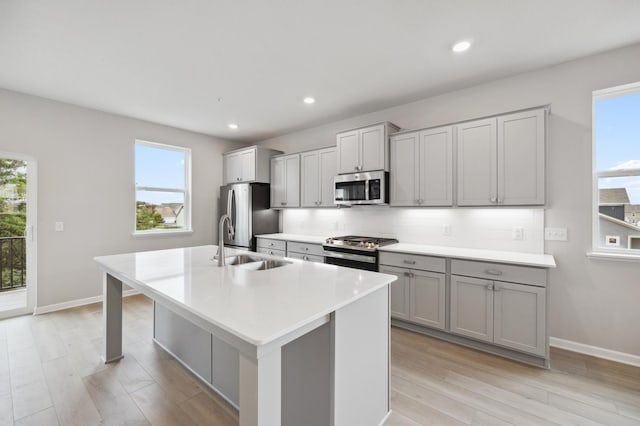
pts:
[112, 317]
[261, 389]
[360, 339]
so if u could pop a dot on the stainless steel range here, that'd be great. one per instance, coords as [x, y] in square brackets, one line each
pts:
[355, 251]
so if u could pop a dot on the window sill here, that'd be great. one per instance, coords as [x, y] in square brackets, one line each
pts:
[162, 233]
[625, 257]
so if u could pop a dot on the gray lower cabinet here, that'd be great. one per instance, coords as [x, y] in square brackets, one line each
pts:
[504, 313]
[215, 361]
[417, 296]
[305, 251]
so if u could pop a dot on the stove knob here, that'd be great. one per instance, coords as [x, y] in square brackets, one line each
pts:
[329, 240]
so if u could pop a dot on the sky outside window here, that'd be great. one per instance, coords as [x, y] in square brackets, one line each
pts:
[160, 168]
[618, 141]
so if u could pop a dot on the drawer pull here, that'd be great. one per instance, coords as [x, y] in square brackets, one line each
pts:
[490, 287]
[409, 262]
[493, 272]
[270, 244]
[306, 249]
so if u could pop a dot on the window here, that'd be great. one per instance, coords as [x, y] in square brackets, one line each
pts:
[163, 186]
[616, 169]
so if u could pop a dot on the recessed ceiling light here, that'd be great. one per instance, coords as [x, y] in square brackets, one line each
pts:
[233, 126]
[461, 46]
[309, 100]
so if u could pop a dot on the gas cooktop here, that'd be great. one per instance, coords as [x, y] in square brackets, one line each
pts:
[357, 242]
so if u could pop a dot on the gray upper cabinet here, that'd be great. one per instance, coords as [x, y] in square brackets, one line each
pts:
[364, 149]
[521, 155]
[285, 181]
[477, 163]
[247, 165]
[422, 168]
[501, 160]
[318, 170]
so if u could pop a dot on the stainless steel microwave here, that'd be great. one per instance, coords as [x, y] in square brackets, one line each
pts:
[361, 188]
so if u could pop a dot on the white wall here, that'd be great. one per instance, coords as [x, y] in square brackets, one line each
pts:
[594, 302]
[86, 180]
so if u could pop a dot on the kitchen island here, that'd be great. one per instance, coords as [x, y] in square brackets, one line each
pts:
[309, 342]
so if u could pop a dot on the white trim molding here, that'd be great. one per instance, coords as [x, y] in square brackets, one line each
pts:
[595, 351]
[38, 310]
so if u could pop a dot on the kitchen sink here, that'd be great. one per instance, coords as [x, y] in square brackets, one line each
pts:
[264, 264]
[241, 259]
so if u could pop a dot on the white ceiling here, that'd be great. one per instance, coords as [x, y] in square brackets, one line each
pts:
[201, 64]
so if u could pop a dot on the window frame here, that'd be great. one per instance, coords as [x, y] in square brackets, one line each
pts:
[186, 229]
[597, 250]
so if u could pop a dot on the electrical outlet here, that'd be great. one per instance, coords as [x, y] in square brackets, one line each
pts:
[555, 234]
[59, 226]
[446, 229]
[518, 233]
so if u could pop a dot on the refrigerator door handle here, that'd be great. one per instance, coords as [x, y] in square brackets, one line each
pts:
[230, 212]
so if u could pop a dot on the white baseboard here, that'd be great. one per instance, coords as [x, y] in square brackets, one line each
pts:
[75, 303]
[595, 351]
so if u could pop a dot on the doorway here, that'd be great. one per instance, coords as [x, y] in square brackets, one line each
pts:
[17, 234]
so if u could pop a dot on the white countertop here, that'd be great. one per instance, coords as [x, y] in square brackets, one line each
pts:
[311, 239]
[511, 257]
[256, 306]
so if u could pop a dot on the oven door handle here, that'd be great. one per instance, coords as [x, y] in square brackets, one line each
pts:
[350, 256]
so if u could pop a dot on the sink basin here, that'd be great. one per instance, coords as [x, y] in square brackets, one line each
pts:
[241, 259]
[263, 265]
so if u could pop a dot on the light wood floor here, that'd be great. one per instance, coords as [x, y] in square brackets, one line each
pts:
[50, 374]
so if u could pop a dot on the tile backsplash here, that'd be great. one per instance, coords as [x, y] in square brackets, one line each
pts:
[489, 228]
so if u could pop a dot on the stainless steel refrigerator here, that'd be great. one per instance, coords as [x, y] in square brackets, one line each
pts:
[249, 207]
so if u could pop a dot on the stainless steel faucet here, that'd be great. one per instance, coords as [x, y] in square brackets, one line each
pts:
[224, 218]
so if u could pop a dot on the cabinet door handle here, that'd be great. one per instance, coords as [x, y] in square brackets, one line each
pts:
[500, 200]
[493, 272]
[270, 244]
[408, 274]
[305, 257]
[409, 262]
[493, 199]
[490, 287]
[282, 203]
[306, 249]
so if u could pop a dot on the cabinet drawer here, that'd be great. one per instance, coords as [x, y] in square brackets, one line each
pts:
[272, 252]
[272, 244]
[307, 257]
[306, 248]
[413, 261]
[500, 272]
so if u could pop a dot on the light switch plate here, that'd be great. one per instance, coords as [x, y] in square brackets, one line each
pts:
[59, 226]
[555, 234]
[518, 233]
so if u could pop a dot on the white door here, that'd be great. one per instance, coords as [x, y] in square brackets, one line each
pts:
[399, 291]
[519, 317]
[348, 152]
[427, 306]
[436, 167]
[309, 179]
[277, 182]
[328, 170]
[18, 254]
[404, 164]
[471, 307]
[292, 180]
[372, 145]
[521, 140]
[477, 163]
